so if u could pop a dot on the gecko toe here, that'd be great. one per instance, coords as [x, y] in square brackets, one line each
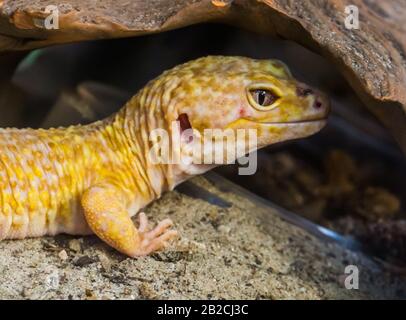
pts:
[143, 220]
[156, 239]
[161, 228]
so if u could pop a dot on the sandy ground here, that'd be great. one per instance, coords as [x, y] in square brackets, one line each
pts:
[236, 252]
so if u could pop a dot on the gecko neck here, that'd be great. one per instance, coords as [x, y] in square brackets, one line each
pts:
[132, 129]
[129, 134]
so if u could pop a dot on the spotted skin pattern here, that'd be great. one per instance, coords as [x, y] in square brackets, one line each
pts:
[94, 178]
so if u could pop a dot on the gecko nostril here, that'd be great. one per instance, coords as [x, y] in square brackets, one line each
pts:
[318, 104]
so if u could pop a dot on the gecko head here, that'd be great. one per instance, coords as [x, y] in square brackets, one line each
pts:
[220, 92]
[232, 93]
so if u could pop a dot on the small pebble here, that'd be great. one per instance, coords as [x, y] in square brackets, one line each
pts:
[63, 255]
[190, 246]
[90, 295]
[224, 229]
[74, 245]
[105, 262]
[83, 261]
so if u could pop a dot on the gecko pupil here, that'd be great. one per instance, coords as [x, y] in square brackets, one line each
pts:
[264, 97]
[261, 97]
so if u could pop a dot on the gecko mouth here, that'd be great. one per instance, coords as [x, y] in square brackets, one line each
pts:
[316, 121]
[295, 121]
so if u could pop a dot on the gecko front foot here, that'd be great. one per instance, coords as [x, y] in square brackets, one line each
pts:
[155, 239]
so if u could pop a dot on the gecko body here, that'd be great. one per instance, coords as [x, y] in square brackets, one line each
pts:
[94, 178]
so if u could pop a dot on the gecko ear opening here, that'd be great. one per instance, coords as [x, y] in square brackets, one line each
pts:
[184, 122]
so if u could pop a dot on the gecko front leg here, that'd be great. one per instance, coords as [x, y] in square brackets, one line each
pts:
[107, 215]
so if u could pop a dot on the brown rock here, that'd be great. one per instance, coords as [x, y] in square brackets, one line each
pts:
[372, 58]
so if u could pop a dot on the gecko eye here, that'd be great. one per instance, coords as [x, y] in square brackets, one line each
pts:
[264, 97]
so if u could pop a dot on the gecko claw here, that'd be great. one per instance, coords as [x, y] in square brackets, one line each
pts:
[155, 239]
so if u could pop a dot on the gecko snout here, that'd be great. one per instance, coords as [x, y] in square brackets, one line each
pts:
[320, 100]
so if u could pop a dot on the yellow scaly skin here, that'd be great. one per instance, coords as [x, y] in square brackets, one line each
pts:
[93, 178]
